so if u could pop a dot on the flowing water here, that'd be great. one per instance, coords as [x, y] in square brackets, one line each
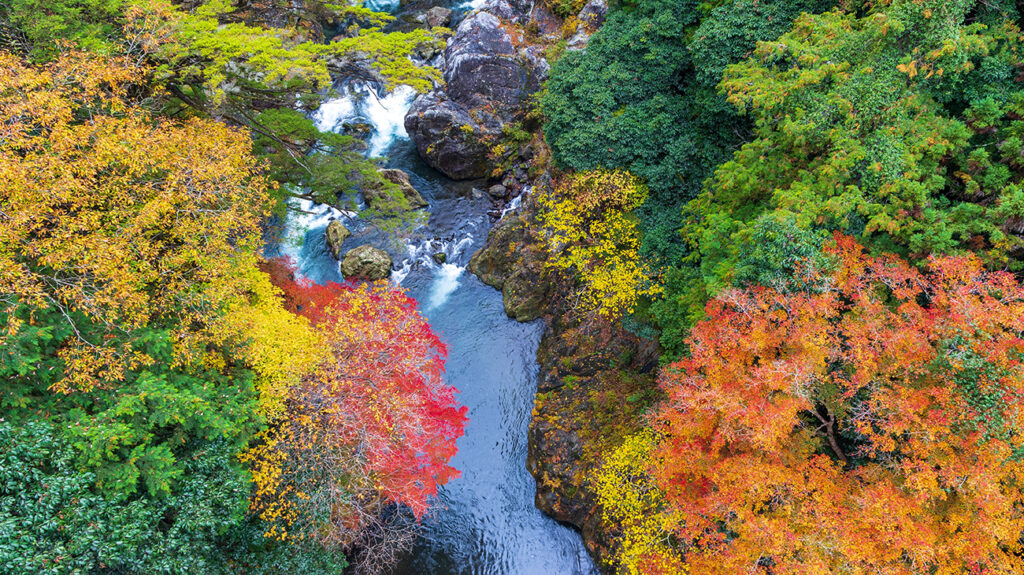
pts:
[483, 522]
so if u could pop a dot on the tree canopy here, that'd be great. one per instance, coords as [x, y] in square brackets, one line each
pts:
[872, 422]
[144, 350]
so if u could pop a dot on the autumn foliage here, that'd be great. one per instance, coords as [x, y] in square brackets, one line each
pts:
[372, 424]
[136, 321]
[868, 424]
[118, 219]
[591, 232]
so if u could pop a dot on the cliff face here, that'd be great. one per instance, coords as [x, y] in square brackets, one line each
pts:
[595, 380]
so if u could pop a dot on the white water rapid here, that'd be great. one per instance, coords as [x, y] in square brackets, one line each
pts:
[484, 522]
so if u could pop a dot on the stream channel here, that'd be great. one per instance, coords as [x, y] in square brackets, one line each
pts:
[483, 522]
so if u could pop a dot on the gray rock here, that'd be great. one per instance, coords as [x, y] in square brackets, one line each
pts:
[437, 16]
[505, 264]
[483, 64]
[497, 191]
[487, 79]
[366, 262]
[448, 138]
[428, 51]
[591, 17]
[378, 198]
[593, 14]
[517, 11]
[335, 235]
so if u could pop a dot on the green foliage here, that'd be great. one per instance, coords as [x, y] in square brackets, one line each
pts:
[777, 253]
[139, 435]
[642, 97]
[983, 386]
[232, 57]
[565, 8]
[731, 31]
[780, 255]
[52, 520]
[323, 165]
[243, 63]
[615, 105]
[901, 127]
[91, 24]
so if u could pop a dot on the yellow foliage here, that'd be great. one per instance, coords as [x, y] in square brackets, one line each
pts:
[113, 216]
[590, 229]
[632, 502]
[280, 346]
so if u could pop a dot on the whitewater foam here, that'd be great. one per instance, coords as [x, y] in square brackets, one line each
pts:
[362, 102]
[303, 216]
[387, 115]
[446, 281]
[382, 5]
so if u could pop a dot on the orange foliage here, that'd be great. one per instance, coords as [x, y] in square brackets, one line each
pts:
[871, 425]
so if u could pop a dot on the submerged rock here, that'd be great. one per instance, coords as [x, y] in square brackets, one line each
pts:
[378, 198]
[366, 262]
[497, 191]
[335, 235]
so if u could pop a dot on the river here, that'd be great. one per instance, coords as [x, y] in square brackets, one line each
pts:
[483, 522]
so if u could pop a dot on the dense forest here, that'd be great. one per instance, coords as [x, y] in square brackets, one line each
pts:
[776, 247]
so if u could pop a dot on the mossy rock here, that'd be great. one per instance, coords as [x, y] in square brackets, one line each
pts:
[335, 235]
[381, 198]
[366, 262]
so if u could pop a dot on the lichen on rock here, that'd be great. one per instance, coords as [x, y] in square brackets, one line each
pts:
[366, 262]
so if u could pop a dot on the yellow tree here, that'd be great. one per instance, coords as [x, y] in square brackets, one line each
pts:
[118, 219]
[590, 230]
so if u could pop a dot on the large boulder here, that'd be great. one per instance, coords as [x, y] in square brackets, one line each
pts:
[437, 16]
[335, 235]
[513, 262]
[488, 75]
[366, 262]
[377, 197]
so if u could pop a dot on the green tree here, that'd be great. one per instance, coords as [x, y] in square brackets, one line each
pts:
[52, 520]
[899, 126]
[642, 98]
[261, 65]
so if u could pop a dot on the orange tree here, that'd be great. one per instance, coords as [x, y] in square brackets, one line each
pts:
[869, 422]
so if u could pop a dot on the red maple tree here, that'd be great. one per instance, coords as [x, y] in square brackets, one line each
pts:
[374, 423]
